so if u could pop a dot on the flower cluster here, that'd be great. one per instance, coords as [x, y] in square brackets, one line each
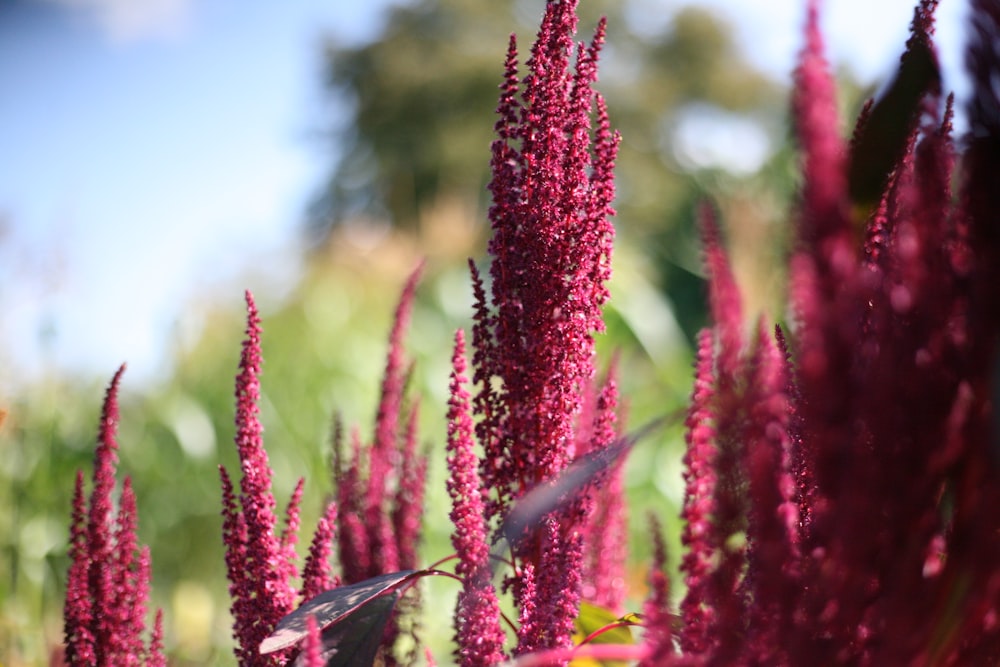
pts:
[108, 582]
[842, 482]
[380, 487]
[260, 562]
[374, 518]
[533, 341]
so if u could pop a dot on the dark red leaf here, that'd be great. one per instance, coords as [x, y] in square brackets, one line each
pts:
[531, 508]
[358, 608]
[355, 642]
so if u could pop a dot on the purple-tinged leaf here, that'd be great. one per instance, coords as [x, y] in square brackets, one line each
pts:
[356, 601]
[532, 507]
[355, 644]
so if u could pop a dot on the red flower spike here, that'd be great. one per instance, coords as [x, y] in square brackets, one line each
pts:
[659, 635]
[78, 610]
[478, 634]
[380, 487]
[408, 503]
[130, 583]
[387, 428]
[885, 407]
[544, 214]
[312, 646]
[529, 631]
[100, 542]
[814, 108]
[108, 581]
[258, 566]
[606, 529]
[551, 251]
[772, 578]
[352, 533]
[157, 658]
[380, 507]
[316, 574]
[290, 535]
[724, 299]
[699, 503]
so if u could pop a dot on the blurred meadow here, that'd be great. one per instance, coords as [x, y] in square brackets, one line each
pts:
[396, 121]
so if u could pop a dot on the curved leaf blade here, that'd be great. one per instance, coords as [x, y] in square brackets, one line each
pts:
[335, 606]
[356, 643]
[528, 512]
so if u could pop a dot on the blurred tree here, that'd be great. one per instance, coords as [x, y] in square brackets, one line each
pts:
[421, 93]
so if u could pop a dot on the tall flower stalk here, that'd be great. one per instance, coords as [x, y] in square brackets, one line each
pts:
[107, 587]
[260, 561]
[551, 247]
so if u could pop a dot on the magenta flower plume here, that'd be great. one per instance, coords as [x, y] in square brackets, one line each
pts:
[840, 484]
[108, 582]
[659, 635]
[699, 479]
[551, 250]
[408, 501]
[771, 576]
[317, 574]
[380, 486]
[356, 556]
[313, 646]
[380, 507]
[257, 559]
[606, 528]
[533, 337]
[478, 634]
[157, 658]
[78, 612]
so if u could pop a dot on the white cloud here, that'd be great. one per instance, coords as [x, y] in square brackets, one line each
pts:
[707, 137]
[136, 20]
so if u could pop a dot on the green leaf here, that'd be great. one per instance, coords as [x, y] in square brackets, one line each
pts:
[599, 625]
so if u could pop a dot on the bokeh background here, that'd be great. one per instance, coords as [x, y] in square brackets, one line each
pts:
[159, 157]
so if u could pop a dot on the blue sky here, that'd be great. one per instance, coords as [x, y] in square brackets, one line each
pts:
[153, 151]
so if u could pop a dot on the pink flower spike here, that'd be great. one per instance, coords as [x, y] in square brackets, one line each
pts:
[316, 575]
[659, 635]
[408, 503]
[606, 543]
[289, 537]
[723, 296]
[551, 254]
[99, 536]
[312, 647]
[257, 562]
[78, 610]
[130, 581]
[157, 658]
[699, 478]
[478, 633]
[814, 107]
[387, 419]
[107, 585]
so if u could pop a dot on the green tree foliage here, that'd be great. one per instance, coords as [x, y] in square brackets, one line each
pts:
[419, 95]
